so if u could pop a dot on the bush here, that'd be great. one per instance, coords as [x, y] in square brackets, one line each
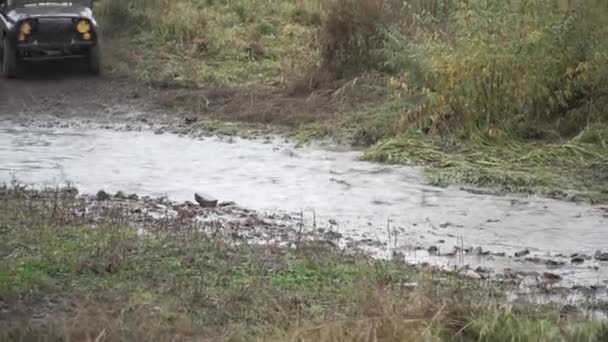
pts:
[520, 61]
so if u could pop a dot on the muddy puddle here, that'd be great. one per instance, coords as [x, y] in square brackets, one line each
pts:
[384, 208]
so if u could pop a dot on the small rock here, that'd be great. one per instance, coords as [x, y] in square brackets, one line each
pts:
[398, 256]
[120, 195]
[477, 251]
[534, 260]
[577, 260]
[522, 253]
[409, 286]
[333, 222]
[159, 131]
[38, 315]
[102, 196]
[133, 197]
[472, 274]
[205, 201]
[500, 254]
[433, 250]
[551, 276]
[601, 256]
[226, 204]
[441, 241]
[444, 225]
[331, 235]
[554, 263]
[492, 220]
[482, 269]
[190, 120]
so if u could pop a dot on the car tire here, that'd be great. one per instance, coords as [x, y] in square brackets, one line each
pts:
[94, 60]
[9, 60]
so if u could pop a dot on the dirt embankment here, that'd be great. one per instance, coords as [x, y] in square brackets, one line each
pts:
[60, 92]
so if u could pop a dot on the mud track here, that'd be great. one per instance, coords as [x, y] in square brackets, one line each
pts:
[62, 91]
[59, 92]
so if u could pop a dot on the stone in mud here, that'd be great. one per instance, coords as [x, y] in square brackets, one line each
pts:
[601, 256]
[409, 286]
[479, 251]
[522, 253]
[331, 235]
[482, 269]
[554, 263]
[577, 260]
[398, 256]
[499, 254]
[471, 274]
[102, 196]
[205, 201]
[433, 250]
[552, 277]
[534, 260]
[120, 195]
[190, 120]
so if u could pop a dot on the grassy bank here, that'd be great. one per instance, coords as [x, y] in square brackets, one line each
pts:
[65, 276]
[470, 81]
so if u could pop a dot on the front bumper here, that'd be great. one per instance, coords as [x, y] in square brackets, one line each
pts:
[51, 51]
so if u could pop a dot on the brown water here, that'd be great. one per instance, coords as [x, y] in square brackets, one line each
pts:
[360, 198]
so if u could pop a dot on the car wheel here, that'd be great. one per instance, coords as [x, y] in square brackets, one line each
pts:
[94, 60]
[9, 60]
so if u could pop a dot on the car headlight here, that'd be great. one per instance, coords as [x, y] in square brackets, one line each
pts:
[83, 26]
[25, 28]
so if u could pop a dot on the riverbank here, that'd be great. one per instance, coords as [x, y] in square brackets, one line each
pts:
[121, 267]
[301, 68]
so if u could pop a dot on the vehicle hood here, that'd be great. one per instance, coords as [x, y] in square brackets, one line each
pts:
[50, 11]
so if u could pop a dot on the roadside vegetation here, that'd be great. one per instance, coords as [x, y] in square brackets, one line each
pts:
[510, 94]
[69, 275]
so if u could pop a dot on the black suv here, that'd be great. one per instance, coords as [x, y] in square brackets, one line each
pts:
[45, 30]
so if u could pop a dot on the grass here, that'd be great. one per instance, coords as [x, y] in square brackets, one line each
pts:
[571, 169]
[65, 277]
[210, 41]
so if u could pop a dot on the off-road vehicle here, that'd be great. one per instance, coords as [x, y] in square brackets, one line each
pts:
[34, 30]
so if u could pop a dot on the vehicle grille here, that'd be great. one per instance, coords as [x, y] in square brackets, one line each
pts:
[53, 31]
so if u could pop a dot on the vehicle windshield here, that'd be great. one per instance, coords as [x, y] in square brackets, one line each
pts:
[26, 3]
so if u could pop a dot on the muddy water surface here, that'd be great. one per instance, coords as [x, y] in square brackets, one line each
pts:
[334, 190]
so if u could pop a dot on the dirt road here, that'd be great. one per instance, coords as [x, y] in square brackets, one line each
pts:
[62, 91]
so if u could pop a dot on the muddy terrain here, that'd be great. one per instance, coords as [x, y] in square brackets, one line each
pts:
[114, 134]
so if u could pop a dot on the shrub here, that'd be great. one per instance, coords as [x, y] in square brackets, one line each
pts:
[520, 61]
